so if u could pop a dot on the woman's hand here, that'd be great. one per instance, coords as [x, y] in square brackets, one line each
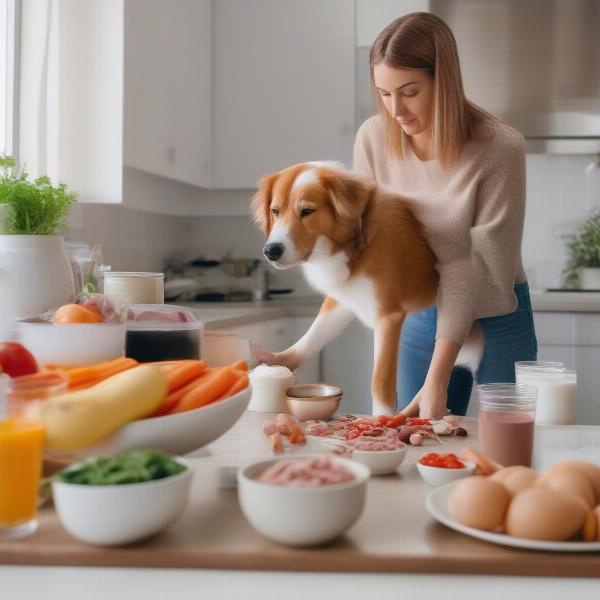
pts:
[288, 358]
[429, 403]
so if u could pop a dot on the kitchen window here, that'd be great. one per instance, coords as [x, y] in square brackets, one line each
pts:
[9, 10]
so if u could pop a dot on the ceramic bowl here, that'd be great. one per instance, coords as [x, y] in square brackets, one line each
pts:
[302, 516]
[73, 344]
[179, 433]
[313, 401]
[436, 476]
[382, 462]
[113, 515]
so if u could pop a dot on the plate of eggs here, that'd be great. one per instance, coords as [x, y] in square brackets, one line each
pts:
[555, 510]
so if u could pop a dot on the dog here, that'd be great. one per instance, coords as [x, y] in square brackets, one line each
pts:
[364, 249]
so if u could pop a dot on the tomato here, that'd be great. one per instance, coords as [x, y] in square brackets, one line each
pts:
[442, 461]
[415, 421]
[16, 360]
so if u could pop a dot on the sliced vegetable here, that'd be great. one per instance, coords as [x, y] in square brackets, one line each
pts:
[210, 389]
[182, 372]
[82, 377]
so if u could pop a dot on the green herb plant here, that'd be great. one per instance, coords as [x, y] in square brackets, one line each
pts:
[34, 207]
[583, 248]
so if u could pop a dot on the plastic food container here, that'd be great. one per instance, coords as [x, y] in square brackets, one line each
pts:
[269, 385]
[132, 288]
[163, 332]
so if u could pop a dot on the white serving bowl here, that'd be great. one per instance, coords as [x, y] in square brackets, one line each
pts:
[302, 516]
[179, 433]
[112, 515]
[437, 476]
[382, 462]
[73, 344]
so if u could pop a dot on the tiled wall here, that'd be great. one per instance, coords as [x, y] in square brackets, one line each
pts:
[137, 240]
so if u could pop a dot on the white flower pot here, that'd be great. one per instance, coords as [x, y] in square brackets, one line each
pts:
[35, 274]
[589, 279]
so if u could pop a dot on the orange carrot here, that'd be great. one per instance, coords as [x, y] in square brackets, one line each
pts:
[182, 374]
[174, 397]
[240, 365]
[89, 375]
[212, 387]
[238, 386]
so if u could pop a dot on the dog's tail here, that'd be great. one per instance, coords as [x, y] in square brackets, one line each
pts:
[472, 350]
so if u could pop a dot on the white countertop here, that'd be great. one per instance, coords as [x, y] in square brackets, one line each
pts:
[229, 314]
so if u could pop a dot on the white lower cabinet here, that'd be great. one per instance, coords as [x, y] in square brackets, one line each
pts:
[348, 362]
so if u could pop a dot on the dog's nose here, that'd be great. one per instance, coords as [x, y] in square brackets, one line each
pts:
[274, 250]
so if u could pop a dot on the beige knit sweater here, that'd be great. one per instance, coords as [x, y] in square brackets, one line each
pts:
[473, 213]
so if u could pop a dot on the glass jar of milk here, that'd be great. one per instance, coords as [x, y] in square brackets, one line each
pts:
[556, 391]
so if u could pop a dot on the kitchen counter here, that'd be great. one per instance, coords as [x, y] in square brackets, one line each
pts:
[220, 315]
[394, 535]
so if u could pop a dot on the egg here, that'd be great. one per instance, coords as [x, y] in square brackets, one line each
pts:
[570, 481]
[479, 502]
[592, 472]
[75, 313]
[541, 513]
[591, 527]
[515, 478]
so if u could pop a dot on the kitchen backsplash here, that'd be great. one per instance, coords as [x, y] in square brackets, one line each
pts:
[139, 240]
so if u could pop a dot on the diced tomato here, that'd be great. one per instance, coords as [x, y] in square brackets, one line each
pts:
[442, 461]
[396, 420]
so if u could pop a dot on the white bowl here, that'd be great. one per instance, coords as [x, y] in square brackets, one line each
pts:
[179, 433]
[436, 476]
[111, 515]
[298, 516]
[74, 344]
[381, 462]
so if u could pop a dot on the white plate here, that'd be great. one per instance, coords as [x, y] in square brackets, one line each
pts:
[437, 505]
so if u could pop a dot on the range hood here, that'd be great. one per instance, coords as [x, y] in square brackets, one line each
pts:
[533, 63]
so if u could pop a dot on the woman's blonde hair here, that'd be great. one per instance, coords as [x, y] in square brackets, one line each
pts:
[423, 41]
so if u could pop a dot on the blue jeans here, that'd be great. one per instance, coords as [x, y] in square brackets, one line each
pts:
[508, 338]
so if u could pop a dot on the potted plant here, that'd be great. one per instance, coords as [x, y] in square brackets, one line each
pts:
[35, 274]
[583, 266]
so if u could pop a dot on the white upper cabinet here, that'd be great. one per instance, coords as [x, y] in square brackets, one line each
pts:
[220, 93]
[283, 86]
[168, 94]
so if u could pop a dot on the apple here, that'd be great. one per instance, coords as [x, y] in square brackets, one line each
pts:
[16, 360]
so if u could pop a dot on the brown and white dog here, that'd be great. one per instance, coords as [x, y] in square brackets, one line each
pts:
[364, 249]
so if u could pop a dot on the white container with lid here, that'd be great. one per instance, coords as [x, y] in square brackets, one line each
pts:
[269, 385]
[163, 332]
[135, 288]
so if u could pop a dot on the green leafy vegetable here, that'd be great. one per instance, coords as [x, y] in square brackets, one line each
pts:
[136, 466]
[35, 207]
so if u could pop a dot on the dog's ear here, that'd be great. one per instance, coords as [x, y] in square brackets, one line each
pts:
[348, 193]
[261, 203]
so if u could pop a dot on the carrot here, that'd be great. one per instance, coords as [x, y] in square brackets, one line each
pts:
[240, 365]
[238, 386]
[212, 387]
[174, 397]
[95, 373]
[182, 374]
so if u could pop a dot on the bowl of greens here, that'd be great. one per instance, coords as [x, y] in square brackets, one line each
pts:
[121, 499]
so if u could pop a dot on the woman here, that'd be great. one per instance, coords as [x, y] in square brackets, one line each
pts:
[465, 171]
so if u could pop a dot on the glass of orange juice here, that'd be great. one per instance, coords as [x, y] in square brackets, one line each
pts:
[21, 455]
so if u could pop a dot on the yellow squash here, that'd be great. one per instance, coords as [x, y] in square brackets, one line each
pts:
[78, 419]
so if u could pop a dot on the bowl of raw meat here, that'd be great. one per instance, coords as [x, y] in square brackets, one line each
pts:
[381, 456]
[305, 500]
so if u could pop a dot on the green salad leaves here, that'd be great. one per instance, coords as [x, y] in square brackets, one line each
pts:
[135, 466]
[34, 207]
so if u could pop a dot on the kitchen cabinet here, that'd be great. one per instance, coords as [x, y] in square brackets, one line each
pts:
[168, 95]
[348, 362]
[219, 93]
[277, 335]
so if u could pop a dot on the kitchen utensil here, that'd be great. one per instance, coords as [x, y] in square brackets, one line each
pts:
[313, 401]
[302, 516]
[109, 515]
[438, 508]
[163, 332]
